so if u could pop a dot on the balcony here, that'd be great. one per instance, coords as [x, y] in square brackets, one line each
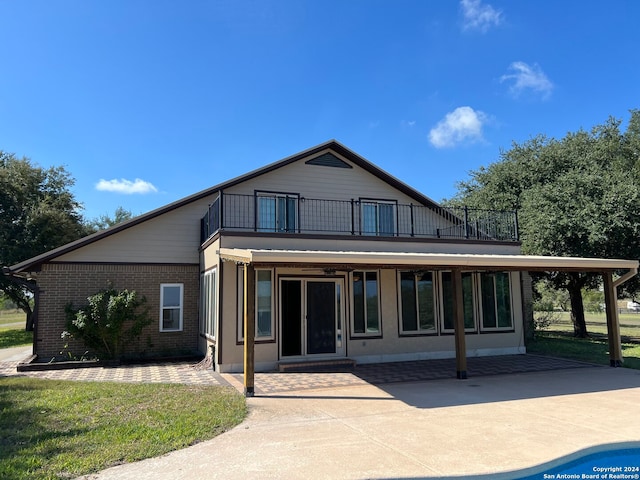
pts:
[291, 215]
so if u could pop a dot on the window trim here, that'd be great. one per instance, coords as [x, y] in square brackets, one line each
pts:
[162, 307]
[275, 195]
[365, 334]
[497, 328]
[418, 332]
[377, 202]
[240, 303]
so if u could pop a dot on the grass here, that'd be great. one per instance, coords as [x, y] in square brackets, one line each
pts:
[558, 340]
[12, 318]
[12, 337]
[12, 333]
[62, 429]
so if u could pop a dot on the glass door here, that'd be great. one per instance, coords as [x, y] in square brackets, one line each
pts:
[312, 317]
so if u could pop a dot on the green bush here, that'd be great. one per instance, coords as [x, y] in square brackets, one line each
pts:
[110, 321]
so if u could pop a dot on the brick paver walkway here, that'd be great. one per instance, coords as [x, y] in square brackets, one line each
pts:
[281, 383]
[182, 372]
[395, 372]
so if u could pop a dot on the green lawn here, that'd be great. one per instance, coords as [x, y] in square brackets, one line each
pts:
[12, 333]
[13, 318]
[55, 429]
[557, 339]
[12, 337]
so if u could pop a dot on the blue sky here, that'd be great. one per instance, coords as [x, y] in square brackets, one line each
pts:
[147, 101]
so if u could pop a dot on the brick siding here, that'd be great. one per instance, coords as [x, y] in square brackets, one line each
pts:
[61, 283]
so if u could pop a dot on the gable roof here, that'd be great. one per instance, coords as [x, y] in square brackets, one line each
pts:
[332, 145]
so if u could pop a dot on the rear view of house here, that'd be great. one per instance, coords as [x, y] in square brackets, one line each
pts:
[320, 256]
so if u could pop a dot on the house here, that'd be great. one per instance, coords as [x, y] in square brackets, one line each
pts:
[319, 256]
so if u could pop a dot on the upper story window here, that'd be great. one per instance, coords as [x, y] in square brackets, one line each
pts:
[277, 212]
[378, 217]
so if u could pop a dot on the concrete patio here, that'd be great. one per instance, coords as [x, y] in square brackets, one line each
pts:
[339, 425]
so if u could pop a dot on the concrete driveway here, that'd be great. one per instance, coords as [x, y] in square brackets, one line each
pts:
[422, 429]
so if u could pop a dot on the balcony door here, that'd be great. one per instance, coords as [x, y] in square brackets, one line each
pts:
[378, 217]
[312, 317]
[277, 212]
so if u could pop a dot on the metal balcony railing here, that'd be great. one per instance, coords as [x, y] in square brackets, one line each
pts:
[292, 215]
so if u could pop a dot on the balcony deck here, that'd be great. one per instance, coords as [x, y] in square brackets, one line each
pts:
[299, 215]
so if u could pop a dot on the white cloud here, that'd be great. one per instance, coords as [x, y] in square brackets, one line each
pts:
[527, 77]
[126, 186]
[477, 16]
[464, 123]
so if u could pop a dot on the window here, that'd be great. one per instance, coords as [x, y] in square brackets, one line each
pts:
[467, 301]
[171, 307]
[277, 212]
[263, 306]
[264, 303]
[208, 311]
[417, 303]
[366, 304]
[496, 301]
[378, 218]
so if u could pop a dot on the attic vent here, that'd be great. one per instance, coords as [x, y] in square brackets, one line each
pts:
[328, 160]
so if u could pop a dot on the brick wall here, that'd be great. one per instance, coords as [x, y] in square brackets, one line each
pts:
[61, 283]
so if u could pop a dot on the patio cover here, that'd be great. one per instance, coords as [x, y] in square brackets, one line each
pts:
[439, 260]
[435, 261]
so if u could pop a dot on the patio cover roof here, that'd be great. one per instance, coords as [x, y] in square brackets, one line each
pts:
[438, 260]
[457, 262]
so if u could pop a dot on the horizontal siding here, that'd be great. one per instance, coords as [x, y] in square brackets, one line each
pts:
[314, 181]
[173, 237]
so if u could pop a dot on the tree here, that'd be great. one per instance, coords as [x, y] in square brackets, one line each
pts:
[578, 196]
[38, 212]
[105, 221]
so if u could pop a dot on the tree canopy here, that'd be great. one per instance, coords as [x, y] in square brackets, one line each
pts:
[577, 196]
[105, 221]
[38, 212]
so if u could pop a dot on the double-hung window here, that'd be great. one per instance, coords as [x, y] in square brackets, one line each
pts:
[378, 217]
[496, 301]
[208, 309]
[417, 306]
[263, 306]
[277, 212]
[366, 303]
[467, 301]
[171, 305]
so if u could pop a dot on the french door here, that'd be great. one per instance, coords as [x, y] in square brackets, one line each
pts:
[312, 317]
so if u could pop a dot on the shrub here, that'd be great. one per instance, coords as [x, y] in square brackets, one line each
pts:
[542, 320]
[110, 321]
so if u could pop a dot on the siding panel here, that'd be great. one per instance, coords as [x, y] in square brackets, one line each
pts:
[170, 238]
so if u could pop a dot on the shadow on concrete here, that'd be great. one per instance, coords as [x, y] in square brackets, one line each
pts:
[432, 383]
[505, 388]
